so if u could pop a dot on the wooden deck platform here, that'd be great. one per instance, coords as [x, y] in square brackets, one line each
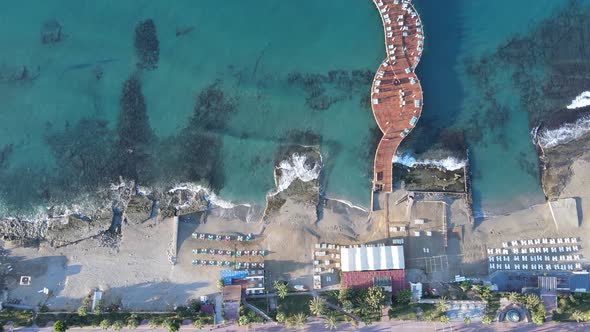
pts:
[396, 94]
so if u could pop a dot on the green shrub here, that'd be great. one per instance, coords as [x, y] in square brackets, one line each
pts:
[82, 311]
[98, 309]
[132, 323]
[59, 326]
[173, 325]
[154, 323]
[105, 324]
[403, 297]
[243, 320]
[198, 323]
[117, 325]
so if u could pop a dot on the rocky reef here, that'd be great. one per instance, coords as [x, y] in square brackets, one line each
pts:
[545, 65]
[147, 46]
[134, 134]
[323, 91]
[297, 178]
[96, 214]
[443, 166]
[556, 162]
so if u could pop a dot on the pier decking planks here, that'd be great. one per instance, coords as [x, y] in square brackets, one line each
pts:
[396, 93]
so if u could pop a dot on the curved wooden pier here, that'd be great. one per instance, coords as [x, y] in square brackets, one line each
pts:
[396, 94]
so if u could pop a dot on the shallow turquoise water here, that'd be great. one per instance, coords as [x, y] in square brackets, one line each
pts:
[503, 159]
[248, 49]
[251, 50]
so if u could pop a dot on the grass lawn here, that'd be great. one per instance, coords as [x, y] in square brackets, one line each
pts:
[16, 316]
[295, 304]
[261, 304]
[408, 312]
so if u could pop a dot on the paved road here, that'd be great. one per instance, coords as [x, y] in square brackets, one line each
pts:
[395, 326]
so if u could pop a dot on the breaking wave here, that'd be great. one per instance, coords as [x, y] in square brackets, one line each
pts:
[550, 138]
[449, 163]
[348, 203]
[295, 168]
[582, 100]
[208, 194]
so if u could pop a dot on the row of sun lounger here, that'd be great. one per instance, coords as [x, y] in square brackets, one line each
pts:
[216, 237]
[238, 265]
[230, 253]
[533, 242]
[537, 250]
[563, 267]
[535, 258]
[327, 246]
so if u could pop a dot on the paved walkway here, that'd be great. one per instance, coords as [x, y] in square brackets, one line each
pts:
[318, 325]
[396, 93]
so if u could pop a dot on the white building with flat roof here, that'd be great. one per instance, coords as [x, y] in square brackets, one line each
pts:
[372, 258]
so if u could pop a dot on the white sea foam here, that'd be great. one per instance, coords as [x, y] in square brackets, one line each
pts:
[295, 168]
[549, 138]
[210, 196]
[582, 100]
[349, 204]
[449, 163]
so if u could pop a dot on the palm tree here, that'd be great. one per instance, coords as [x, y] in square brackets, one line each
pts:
[578, 316]
[317, 305]
[331, 323]
[513, 297]
[281, 289]
[300, 319]
[441, 306]
[532, 300]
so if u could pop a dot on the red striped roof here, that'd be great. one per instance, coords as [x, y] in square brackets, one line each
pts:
[364, 279]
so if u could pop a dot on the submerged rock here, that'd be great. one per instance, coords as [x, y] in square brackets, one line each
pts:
[147, 46]
[51, 32]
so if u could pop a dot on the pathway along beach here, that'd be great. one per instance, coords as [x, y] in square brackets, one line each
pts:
[396, 94]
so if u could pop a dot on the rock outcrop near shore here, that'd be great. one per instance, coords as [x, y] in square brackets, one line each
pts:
[556, 163]
[63, 225]
[297, 178]
[546, 66]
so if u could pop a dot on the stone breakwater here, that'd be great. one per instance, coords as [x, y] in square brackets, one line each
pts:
[396, 93]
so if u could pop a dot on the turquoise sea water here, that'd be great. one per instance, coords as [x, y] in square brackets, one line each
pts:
[268, 58]
[459, 33]
[247, 49]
